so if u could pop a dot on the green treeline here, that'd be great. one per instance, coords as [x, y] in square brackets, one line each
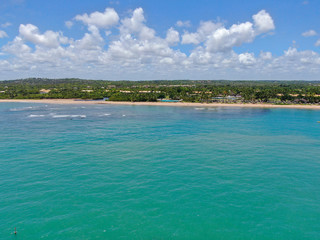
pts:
[276, 92]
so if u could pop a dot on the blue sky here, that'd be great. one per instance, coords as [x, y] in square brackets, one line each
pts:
[168, 39]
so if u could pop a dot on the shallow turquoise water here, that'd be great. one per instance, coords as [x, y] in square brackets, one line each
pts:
[149, 172]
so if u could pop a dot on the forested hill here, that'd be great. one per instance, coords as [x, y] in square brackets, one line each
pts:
[278, 92]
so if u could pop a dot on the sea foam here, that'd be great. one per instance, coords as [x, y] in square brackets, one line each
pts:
[20, 109]
[69, 116]
[35, 116]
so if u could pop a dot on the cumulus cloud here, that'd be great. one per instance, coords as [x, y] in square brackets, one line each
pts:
[317, 44]
[90, 41]
[183, 23]
[138, 46]
[101, 20]
[3, 34]
[203, 31]
[266, 55]
[225, 39]
[49, 39]
[173, 36]
[17, 47]
[217, 38]
[136, 25]
[190, 38]
[137, 52]
[263, 22]
[247, 58]
[309, 33]
[298, 61]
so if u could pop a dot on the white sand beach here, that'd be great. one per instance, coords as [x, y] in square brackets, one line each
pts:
[176, 104]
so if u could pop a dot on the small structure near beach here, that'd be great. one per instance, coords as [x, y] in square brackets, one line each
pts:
[44, 91]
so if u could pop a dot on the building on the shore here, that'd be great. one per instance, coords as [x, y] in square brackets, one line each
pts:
[44, 91]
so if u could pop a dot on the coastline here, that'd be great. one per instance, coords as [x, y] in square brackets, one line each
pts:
[176, 104]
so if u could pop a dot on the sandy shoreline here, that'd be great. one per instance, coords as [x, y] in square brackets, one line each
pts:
[180, 104]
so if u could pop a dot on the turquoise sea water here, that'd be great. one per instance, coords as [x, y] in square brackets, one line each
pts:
[150, 172]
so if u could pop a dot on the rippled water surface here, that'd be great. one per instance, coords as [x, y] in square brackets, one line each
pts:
[150, 172]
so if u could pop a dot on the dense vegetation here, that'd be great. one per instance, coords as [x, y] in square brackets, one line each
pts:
[277, 92]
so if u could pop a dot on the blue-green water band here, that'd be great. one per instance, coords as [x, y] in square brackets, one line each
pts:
[148, 172]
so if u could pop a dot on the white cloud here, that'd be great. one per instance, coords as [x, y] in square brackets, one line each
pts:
[263, 22]
[204, 30]
[309, 33]
[3, 34]
[90, 41]
[173, 36]
[298, 61]
[7, 24]
[137, 52]
[135, 25]
[217, 38]
[266, 55]
[69, 24]
[17, 47]
[102, 20]
[49, 39]
[225, 39]
[190, 38]
[317, 44]
[247, 58]
[183, 23]
[132, 49]
[291, 52]
[138, 46]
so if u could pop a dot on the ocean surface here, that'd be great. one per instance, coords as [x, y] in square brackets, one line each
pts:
[153, 172]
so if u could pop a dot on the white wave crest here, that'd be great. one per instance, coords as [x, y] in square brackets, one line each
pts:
[20, 109]
[35, 116]
[69, 116]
